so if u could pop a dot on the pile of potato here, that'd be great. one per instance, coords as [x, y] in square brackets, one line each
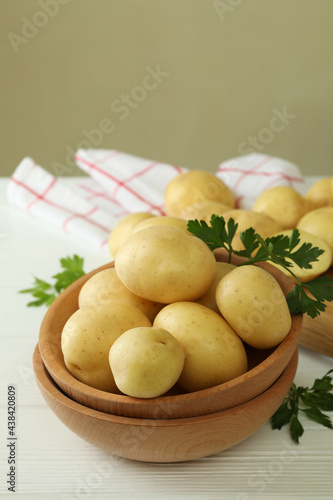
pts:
[169, 313]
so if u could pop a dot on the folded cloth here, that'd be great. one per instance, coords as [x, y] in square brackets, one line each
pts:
[44, 196]
[138, 184]
[249, 175]
[118, 184]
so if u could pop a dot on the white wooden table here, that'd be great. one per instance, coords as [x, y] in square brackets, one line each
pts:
[53, 463]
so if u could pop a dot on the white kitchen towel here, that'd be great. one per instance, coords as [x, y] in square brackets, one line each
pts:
[249, 175]
[137, 183]
[46, 197]
[118, 184]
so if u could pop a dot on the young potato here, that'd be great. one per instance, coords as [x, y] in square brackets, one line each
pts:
[146, 362]
[193, 187]
[214, 353]
[165, 264]
[204, 210]
[162, 220]
[123, 229]
[320, 194]
[261, 223]
[319, 222]
[88, 335]
[283, 204]
[252, 302]
[320, 266]
[208, 300]
[106, 285]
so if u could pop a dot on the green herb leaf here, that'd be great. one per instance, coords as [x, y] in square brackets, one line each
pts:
[206, 233]
[319, 417]
[320, 288]
[323, 384]
[296, 429]
[45, 292]
[217, 235]
[323, 401]
[282, 416]
[299, 302]
[250, 242]
[73, 269]
[278, 249]
[305, 255]
[312, 402]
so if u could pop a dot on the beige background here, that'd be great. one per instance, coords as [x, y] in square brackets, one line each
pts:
[230, 69]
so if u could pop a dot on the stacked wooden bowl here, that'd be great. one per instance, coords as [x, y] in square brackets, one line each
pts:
[177, 426]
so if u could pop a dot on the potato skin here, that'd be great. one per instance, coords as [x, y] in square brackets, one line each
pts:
[146, 362]
[88, 335]
[320, 194]
[208, 299]
[214, 353]
[123, 229]
[163, 220]
[263, 224]
[283, 204]
[204, 210]
[319, 222]
[252, 302]
[318, 267]
[165, 264]
[106, 285]
[194, 187]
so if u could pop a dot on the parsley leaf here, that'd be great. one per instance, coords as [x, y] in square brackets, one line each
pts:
[217, 235]
[312, 402]
[250, 242]
[305, 254]
[278, 249]
[45, 293]
[320, 288]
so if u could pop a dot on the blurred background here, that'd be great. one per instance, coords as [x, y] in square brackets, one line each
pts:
[188, 82]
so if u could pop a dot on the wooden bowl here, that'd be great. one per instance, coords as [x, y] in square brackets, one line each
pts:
[265, 367]
[164, 440]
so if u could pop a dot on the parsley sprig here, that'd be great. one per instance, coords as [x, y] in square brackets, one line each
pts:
[45, 293]
[280, 249]
[312, 402]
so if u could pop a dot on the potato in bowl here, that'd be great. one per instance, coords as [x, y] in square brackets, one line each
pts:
[264, 366]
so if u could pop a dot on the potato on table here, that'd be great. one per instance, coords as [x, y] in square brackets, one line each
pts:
[263, 224]
[319, 222]
[283, 204]
[193, 187]
[320, 194]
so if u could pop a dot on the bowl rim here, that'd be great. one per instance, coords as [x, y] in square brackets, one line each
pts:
[45, 380]
[60, 372]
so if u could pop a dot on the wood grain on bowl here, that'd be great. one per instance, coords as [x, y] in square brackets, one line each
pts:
[265, 367]
[164, 440]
